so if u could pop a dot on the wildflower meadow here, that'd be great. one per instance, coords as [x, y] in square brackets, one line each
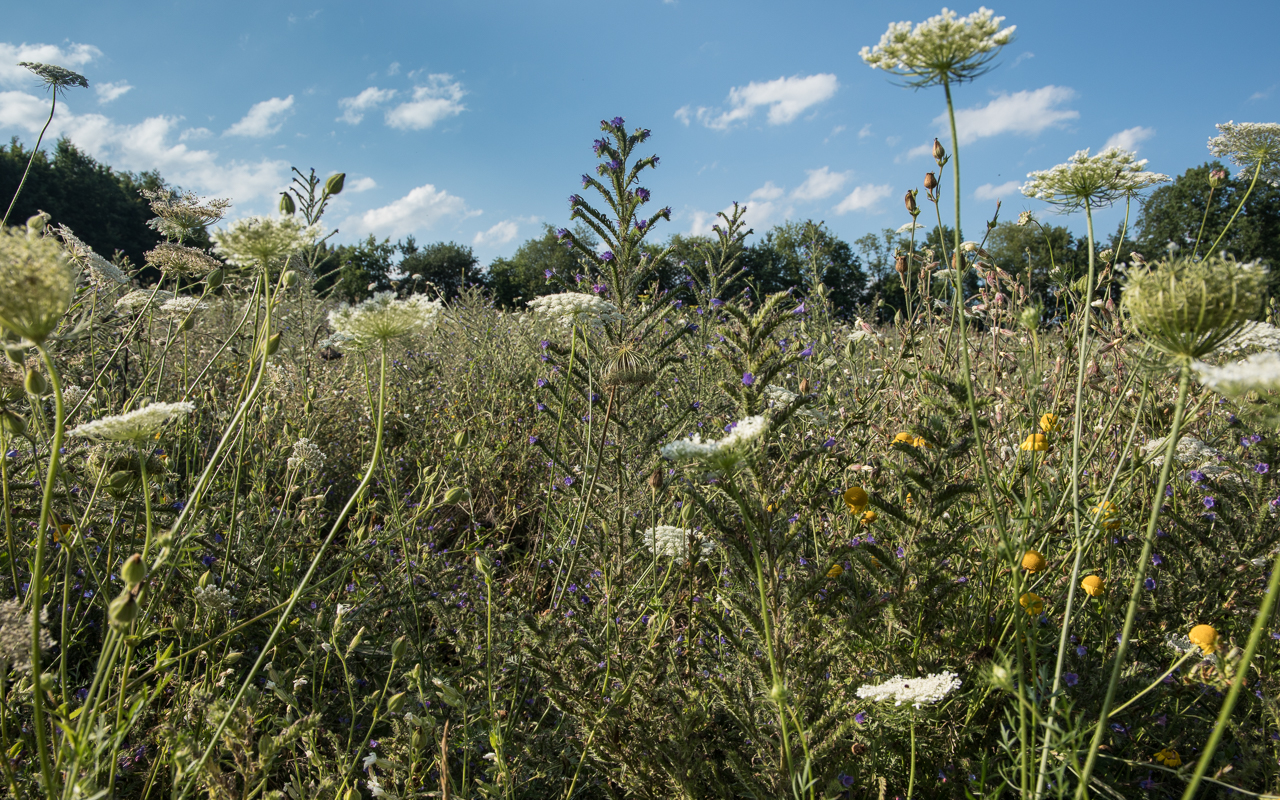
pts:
[629, 540]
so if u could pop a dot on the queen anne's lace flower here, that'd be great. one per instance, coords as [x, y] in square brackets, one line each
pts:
[723, 453]
[139, 299]
[1100, 179]
[1257, 373]
[306, 455]
[382, 317]
[36, 284]
[212, 598]
[916, 691]
[180, 214]
[182, 306]
[1250, 145]
[1190, 451]
[15, 634]
[780, 397]
[1253, 334]
[103, 275]
[942, 48]
[571, 307]
[257, 241]
[133, 425]
[673, 542]
[178, 259]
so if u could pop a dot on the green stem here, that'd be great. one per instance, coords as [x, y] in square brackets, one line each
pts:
[911, 781]
[52, 107]
[1208, 203]
[1257, 170]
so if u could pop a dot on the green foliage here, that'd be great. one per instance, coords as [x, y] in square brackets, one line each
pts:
[448, 267]
[514, 281]
[801, 255]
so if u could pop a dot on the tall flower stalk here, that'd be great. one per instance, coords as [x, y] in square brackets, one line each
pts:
[57, 79]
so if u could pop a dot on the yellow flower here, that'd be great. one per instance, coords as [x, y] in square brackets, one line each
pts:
[1093, 585]
[1205, 636]
[1036, 441]
[1032, 602]
[1049, 423]
[836, 571]
[905, 438]
[919, 442]
[1169, 757]
[855, 497]
[1106, 513]
[869, 517]
[1033, 561]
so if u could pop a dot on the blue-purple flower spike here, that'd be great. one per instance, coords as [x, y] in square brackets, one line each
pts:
[643, 194]
[618, 123]
[562, 232]
[607, 255]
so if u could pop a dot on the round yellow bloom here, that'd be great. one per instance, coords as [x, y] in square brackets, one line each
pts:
[855, 497]
[1106, 513]
[1169, 757]
[921, 443]
[836, 571]
[1033, 561]
[1032, 602]
[905, 438]
[1049, 423]
[869, 517]
[1205, 636]
[1093, 585]
[1037, 442]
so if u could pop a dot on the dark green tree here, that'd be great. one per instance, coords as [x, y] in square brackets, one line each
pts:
[799, 256]
[515, 281]
[1019, 249]
[354, 272]
[448, 266]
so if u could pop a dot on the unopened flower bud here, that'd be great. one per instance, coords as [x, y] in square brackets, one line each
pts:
[273, 343]
[939, 154]
[189, 323]
[930, 182]
[35, 225]
[900, 263]
[655, 479]
[333, 186]
[13, 424]
[133, 571]
[461, 438]
[214, 279]
[290, 279]
[456, 495]
[400, 647]
[910, 201]
[233, 657]
[805, 386]
[205, 579]
[395, 702]
[16, 355]
[120, 479]
[35, 383]
[419, 740]
[48, 682]
[123, 610]
[1216, 177]
[286, 204]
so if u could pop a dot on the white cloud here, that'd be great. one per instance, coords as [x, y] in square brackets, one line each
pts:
[1128, 138]
[1026, 113]
[148, 145]
[786, 99]
[439, 99]
[683, 114]
[865, 131]
[863, 198]
[501, 233]
[820, 183]
[263, 119]
[110, 91]
[361, 185]
[990, 191]
[419, 210]
[394, 69]
[194, 133]
[354, 108]
[73, 56]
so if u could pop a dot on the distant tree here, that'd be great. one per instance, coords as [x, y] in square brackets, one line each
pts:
[1017, 249]
[1173, 213]
[448, 266]
[102, 206]
[539, 266]
[354, 272]
[799, 255]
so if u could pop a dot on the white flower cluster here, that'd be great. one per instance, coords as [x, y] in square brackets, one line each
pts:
[779, 396]
[1258, 373]
[1249, 144]
[673, 542]
[103, 275]
[254, 241]
[306, 455]
[383, 317]
[1253, 334]
[571, 307]
[1190, 451]
[1100, 179]
[941, 46]
[182, 306]
[133, 425]
[916, 691]
[72, 394]
[213, 599]
[139, 299]
[723, 453]
[15, 634]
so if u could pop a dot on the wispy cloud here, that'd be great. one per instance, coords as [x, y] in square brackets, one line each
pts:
[500, 233]
[820, 183]
[110, 91]
[72, 56]
[864, 198]
[439, 99]
[421, 209]
[762, 209]
[1026, 113]
[1129, 138]
[354, 108]
[991, 191]
[361, 185]
[263, 119]
[785, 99]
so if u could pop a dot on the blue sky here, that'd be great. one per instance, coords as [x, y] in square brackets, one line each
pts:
[471, 121]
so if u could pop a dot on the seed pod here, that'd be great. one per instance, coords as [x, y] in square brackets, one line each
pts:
[355, 640]
[47, 681]
[13, 424]
[286, 204]
[910, 201]
[16, 355]
[456, 495]
[273, 343]
[461, 438]
[189, 323]
[205, 579]
[233, 656]
[419, 740]
[120, 479]
[930, 182]
[133, 571]
[214, 279]
[395, 702]
[805, 386]
[939, 154]
[123, 610]
[333, 186]
[290, 279]
[35, 383]
[655, 479]
[35, 224]
[400, 647]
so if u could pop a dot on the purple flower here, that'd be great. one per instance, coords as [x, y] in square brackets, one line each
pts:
[808, 351]
[1081, 650]
[829, 443]
[1209, 502]
[617, 122]
[598, 145]
[546, 273]
[748, 379]
[666, 212]
[1262, 469]
[642, 224]
[599, 288]
[541, 382]
[1157, 560]
[533, 440]
[1070, 679]
[643, 194]
[607, 255]
[716, 302]
[860, 718]
[574, 199]
[568, 481]
[799, 309]
[586, 180]
[614, 164]
[643, 133]
[653, 161]
[1149, 584]
[1195, 476]
[545, 344]
[901, 552]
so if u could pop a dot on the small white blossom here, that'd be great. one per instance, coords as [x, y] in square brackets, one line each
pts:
[137, 424]
[1253, 334]
[182, 306]
[1248, 145]
[383, 317]
[306, 455]
[673, 542]
[212, 598]
[1100, 179]
[916, 691]
[1190, 450]
[570, 307]
[254, 241]
[781, 397]
[103, 275]
[723, 453]
[298, 683]
[1257, 373]
[942, 48]
[139, 299]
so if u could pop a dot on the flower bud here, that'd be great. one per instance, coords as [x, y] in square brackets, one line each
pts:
[120, 479]
[205, 579]
[930, 182]
[805, 386]
[456, 495]
[655, 479]
[273, 343]
[233, 657]
[16, 355]
[214, 279]
[900, 263]
[1216, 177]
[189, 323]
[47, 681]
[13, 424]
[123, 610]
[355, 640]
[286, 204]
[290, 279]
[35, 383]
[395, 702]
[333, 186]
[35, 225]
[939, 154]
[133, 571]
[418, 740]
[400, 647]
[910, 201]
[461, 438]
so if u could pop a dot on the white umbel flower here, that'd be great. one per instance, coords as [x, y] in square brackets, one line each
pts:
[255, 241]
[673, 542]
[102, 274]
[724, 453]
[382, 317]
[212, 598]
[182, 306]
[916, 691]
[1258, 373]
[1248, 145]
[306, 455]
[134, 425]
[942, 48]
[1190, 450]
[780, 397]
[1100, 179]
[142, 298]
[570, 307]
[1254, 334]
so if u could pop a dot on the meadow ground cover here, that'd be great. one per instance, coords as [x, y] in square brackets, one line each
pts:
[642, 543]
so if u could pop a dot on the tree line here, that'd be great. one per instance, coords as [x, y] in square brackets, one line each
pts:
[104, 208]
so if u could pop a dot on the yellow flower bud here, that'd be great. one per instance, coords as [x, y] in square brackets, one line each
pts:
[1093, 585]
[1033, 561]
